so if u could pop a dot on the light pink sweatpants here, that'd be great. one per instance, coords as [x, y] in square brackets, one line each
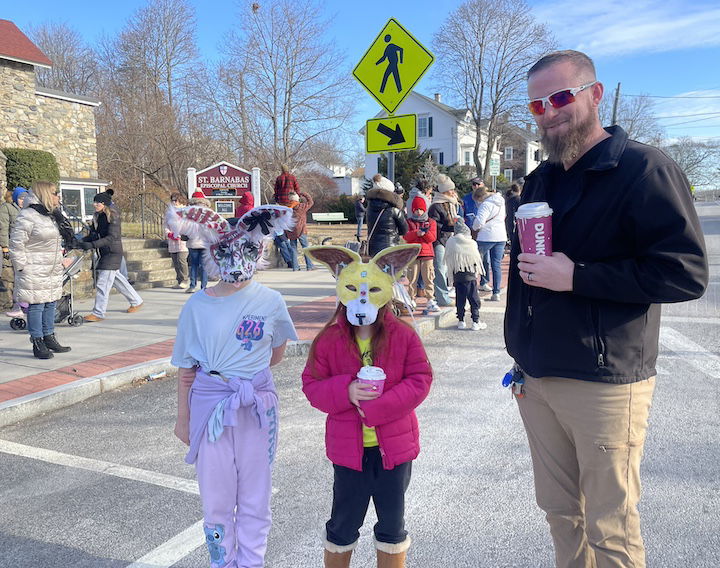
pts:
[234, 474]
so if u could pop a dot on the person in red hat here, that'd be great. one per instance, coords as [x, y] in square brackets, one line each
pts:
[198, 195]
[423, 231]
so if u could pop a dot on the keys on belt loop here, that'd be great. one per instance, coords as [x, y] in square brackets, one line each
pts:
[515, 379]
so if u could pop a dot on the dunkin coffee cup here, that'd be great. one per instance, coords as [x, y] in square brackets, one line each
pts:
[534, 225]
[373, 377]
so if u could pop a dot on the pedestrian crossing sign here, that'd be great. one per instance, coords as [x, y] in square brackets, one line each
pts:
[392, 65]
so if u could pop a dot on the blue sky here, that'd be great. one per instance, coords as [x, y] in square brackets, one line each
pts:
[667, 48]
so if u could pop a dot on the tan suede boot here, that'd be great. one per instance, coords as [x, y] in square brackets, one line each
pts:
[392, 555]
[385, 560]
[337, 559]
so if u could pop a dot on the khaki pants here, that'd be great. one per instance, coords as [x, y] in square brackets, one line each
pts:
[423, 266]
[586, 442]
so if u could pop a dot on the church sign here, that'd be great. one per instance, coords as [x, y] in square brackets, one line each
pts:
[223, 180]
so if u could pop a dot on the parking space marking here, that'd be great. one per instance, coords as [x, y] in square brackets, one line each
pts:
[173, 550]
[692, 353]
[98, 466]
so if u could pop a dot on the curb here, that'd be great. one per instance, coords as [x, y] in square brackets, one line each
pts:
[48, 400]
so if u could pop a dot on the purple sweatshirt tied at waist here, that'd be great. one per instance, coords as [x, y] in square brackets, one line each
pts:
[214, 402]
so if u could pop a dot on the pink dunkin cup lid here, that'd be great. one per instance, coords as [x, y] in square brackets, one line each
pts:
[533, 210]
[370, 373]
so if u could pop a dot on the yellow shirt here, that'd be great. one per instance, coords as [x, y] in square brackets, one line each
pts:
[369, 437]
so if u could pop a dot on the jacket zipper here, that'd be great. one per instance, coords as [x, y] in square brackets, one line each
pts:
[599, 343]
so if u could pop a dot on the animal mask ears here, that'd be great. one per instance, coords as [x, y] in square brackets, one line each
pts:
[393, 260]
[334, 257]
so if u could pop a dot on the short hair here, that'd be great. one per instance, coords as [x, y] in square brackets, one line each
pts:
[44, 191]
[581, 62]
[285, 169]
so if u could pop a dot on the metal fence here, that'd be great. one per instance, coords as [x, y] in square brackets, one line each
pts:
[144, 216]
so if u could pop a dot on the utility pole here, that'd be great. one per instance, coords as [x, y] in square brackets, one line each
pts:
[391, 166]
[615, 105]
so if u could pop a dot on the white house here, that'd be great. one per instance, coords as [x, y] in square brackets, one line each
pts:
[346, 183]
[520, 151]
[449, 133]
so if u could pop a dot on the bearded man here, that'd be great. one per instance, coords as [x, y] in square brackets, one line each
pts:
[582, 324]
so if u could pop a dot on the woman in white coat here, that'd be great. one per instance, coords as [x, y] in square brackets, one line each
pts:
[36, 252]
[491, 238]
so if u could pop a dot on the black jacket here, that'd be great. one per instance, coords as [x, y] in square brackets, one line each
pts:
[636, 242]
[445, 225]
[106, 239]
[385, 207]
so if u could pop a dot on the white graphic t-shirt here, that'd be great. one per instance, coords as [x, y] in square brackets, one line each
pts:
[233, 335]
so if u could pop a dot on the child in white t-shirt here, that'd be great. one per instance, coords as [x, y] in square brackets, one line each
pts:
[228, 337]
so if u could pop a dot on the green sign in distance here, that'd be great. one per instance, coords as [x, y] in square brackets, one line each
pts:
[391, 134]
[494, 167]
[392, 65]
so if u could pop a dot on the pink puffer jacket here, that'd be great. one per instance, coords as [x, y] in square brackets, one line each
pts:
[407, 384]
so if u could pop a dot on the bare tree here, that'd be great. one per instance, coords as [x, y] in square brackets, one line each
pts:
[636, 115]
[74, 67]
[282, 85]
[700, 160]
[483, 51]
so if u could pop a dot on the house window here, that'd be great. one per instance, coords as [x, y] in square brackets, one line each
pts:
[467, 158]
[508, 152]
[425, 127]
[441, 158]
[508, 175]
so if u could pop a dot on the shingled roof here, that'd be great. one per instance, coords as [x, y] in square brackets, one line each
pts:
[16, 46]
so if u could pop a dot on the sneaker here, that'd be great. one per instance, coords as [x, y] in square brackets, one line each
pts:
[180, 286]
[451, 292]
[485, 288]
[462, 325]
[17, 313]
[133, 309]
[190, 290]
[92, 318]
[432, 306]
[478, 325]
[495, 297]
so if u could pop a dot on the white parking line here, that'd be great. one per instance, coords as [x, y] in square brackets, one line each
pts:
[173, 550]
[108, 468]
[692, 353]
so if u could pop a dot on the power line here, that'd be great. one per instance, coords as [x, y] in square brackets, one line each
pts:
[670, 97]
[691, 121]
[686, 115]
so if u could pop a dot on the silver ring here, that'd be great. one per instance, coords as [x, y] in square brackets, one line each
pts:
[530, 277]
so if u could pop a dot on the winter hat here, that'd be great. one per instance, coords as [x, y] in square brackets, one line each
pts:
[17, 192]
[103, 198]
[198, 195]
[444, 183]
[419, 203]
[462, 229]
[384, 183]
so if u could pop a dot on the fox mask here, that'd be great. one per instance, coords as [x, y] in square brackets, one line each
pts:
[364, 287]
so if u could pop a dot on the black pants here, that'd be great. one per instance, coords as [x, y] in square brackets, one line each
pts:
[352, 491]
[467, 290]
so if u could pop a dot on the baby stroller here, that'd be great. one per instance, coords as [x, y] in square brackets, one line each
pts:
[64, 309]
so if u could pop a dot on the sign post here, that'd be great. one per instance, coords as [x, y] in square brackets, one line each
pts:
[390, 68]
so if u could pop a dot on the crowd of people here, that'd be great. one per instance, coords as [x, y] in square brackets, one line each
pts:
[581, 325]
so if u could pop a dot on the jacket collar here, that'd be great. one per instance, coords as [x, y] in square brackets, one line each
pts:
[384, 195]
[608, 160]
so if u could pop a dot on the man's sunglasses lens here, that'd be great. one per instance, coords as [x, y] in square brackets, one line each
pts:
[557, 100]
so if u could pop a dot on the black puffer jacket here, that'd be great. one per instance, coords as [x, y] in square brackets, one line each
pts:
[385, 207]
[106, 239]
[635, 238]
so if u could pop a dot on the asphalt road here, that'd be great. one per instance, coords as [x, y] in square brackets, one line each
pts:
[103, 483]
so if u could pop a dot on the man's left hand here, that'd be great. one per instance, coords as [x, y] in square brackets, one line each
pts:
[552, 272]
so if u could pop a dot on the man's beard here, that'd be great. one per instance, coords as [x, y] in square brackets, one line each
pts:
[566, 148]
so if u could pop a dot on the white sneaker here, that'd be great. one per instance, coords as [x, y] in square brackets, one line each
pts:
[495, 297]
[451, 292]
[485, 288]
[432, 307]
[478, 325]
[190, 290]
[462, 325]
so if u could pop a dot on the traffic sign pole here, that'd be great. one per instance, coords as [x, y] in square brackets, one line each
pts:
[391, 166]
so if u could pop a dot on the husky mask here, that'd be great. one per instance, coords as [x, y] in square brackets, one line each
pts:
[364, 287]
[233, 253]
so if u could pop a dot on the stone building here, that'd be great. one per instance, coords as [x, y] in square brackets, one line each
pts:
[37, 118]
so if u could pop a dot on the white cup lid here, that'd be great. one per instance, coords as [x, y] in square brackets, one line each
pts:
[368, 372]
[537, 209]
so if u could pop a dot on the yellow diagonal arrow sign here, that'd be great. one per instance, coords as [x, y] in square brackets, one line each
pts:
[391, 134]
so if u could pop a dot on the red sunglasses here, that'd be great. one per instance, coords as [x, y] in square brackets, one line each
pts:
[558, 99]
